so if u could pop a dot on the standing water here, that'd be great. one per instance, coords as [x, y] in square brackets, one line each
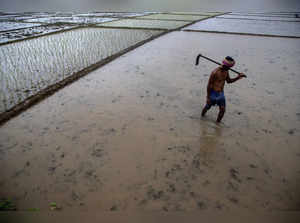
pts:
[29, 66]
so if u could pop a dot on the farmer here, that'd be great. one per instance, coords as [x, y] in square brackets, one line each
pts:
[215, 87]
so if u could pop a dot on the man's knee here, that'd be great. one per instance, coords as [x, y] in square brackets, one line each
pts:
[207, 106]
[222, 109]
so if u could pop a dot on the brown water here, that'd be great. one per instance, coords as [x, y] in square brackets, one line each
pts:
[129, 136]
[30, 66]
[280, 28]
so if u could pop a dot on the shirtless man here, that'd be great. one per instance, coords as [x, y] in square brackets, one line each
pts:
[215, 87]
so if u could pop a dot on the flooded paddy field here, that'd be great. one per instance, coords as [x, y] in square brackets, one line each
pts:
[11, 36]
[6, 26]
[12, 26]
[143, 23]
[17, 17]
[116, 14]
[71, 19]
[175, 17]
[42, 60]
[198, 13]
[269, 14]
[260, 17]
[250, 26]
[23, 73]
[129, 136]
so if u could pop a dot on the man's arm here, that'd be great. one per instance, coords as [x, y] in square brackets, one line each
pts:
[231, 80]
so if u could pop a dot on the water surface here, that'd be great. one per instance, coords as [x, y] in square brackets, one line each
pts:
[29, 66]
[174, 17]
[129, 136]
[248, 26]
[32, 31]
[143, 23]
[6, 26]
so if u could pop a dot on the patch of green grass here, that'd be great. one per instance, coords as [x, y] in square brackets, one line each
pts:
[54, 207]
[7, 205]
[33, 209]
[52, 204]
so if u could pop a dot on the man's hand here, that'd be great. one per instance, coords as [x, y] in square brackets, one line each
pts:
[241, 75]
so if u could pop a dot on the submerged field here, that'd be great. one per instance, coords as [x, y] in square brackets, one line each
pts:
[41, 50]
[129, 136]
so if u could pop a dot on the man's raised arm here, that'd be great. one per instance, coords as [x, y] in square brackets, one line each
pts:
[231, 80]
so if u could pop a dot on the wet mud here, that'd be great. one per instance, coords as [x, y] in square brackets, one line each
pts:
[7, 26]
[175, 17]
[260, 26]
[147, 24]
[71, 19]
[129, 136]
[25, 76]
[17, 26]
[8, 37]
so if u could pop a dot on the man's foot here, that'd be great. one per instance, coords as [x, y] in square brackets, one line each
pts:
[221, 114]
[204, 111]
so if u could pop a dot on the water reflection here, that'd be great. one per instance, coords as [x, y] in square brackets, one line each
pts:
[249, 26]
[9, 36]
[211, 134]
[6, 26]
[135, 23]
[175, 17]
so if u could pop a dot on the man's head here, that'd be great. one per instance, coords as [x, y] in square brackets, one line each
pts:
[228, 62]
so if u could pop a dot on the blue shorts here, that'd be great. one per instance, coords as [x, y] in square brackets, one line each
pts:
[216, 98]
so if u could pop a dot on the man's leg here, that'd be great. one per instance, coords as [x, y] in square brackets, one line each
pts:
[221, 113]
[205, 109]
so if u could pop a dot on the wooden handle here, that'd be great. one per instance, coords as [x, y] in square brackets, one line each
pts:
[200, 55]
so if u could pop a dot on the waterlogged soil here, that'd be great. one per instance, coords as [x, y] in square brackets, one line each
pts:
[28, 67]
[17, 26]
[6, 26]
[278, 28]
[263, 17]
[18, 17]
[175, 17]
[196, 13]
[115, 14]
[269, 14]
[32, 32]
[129, 136]
[143, 23]
[71, 19]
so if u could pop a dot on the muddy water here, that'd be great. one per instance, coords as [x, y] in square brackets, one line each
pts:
[129, 136]
[32, 31]
[280, 28]
[261, 17]
[175, 17]
[71, 19]
[115, 14]
[6, 26]
[267, 14]
[29, 66]
[12, 26]
[143, 23]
